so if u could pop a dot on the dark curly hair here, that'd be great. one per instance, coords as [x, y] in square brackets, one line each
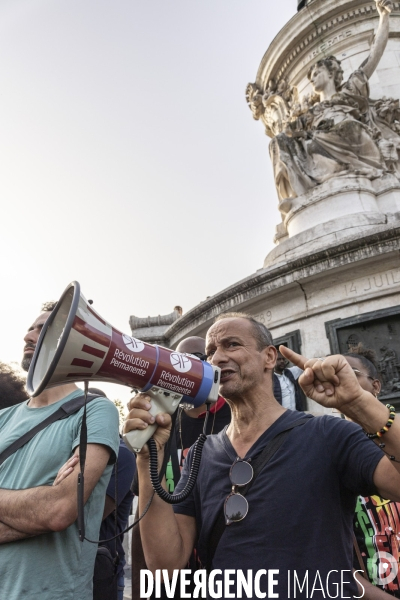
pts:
[12, 387]
[367, 357]
[333, 66]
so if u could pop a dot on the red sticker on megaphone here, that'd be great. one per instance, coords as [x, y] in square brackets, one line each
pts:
[129, 361]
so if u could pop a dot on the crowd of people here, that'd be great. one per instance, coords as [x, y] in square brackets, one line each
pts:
[319, 510]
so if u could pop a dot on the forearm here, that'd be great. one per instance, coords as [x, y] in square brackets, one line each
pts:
[378, 47]
[55, 507]
[36, 510]
[162, 543]
[372, 415]
[9, 534]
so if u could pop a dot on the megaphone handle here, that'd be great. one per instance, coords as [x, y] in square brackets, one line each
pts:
[162, 401]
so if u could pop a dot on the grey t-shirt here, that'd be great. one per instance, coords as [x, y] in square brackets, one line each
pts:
[53, 566]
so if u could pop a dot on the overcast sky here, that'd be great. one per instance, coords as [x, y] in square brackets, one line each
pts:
[129, 159]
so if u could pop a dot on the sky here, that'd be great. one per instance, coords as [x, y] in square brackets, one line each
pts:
[129, 160]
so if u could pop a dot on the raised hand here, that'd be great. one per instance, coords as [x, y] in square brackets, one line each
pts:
[331, 382]
[384, 7]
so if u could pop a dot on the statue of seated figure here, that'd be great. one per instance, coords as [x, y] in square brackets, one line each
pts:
[341, 134]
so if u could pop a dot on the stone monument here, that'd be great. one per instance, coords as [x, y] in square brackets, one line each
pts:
[327, 93]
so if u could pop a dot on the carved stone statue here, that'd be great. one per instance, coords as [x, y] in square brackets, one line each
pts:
[337, 132]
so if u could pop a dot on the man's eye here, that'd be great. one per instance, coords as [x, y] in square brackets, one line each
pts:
[209, 354]
[232, 344]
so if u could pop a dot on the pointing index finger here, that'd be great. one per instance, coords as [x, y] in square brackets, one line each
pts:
[296, 359]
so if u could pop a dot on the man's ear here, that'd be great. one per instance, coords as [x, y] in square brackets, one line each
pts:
[270, 355]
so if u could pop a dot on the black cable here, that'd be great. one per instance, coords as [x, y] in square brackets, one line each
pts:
[160, 476]
[156, 477]
[128, 528]
[208, 404]
[194, 468]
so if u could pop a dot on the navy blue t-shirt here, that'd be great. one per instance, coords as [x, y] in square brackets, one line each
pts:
[126, 470]
[301, 505]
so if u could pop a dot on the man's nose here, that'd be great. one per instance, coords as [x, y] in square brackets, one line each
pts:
[31, 337]
[219, 357]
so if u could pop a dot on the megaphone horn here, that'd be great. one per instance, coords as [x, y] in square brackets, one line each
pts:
[76, 344]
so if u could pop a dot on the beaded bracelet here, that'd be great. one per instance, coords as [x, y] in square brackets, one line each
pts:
[385, 428]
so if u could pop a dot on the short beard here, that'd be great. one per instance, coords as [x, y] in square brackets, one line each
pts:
[26, 362]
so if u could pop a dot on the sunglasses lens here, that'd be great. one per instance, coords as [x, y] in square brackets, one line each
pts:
[241, 473]
[236, 508]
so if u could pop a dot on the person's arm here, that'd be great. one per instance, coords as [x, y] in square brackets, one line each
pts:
[168, 539]
[9, 534]
[126, 468]
[109, 506]
[384, 8]
[51, 508]
[138, 560]
[68, 468]
[332, 383]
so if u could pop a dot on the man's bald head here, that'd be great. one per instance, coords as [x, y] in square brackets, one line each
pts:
[192, 345]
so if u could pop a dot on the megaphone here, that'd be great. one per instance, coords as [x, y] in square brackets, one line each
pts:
[76, 344]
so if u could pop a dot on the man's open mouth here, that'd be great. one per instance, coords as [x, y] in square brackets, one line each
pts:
[226, 374]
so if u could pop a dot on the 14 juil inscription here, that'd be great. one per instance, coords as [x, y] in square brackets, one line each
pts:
[373, 283]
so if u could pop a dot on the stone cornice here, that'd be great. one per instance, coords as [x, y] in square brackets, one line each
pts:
[383, 240]
[313, 23]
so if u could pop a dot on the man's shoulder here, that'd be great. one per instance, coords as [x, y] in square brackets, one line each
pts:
[16, 419]
[101, 406]
[339, 431]
[328, 422]
[5, 413]
[323, 424]
[102, 423]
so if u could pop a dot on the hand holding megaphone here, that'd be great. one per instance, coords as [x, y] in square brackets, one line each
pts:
[140, 418]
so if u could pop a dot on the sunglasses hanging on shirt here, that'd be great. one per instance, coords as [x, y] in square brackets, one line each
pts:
[236, 506]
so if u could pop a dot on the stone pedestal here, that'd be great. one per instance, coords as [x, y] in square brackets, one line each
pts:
[340, 208]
